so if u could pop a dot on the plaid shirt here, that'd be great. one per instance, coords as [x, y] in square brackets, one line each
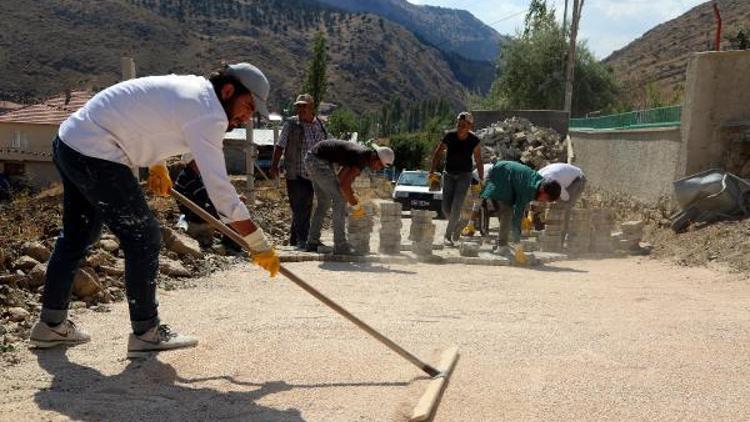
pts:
[314, 133]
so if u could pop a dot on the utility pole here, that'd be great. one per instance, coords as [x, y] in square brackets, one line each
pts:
[251, 152]
[565, 17]
[569, 74]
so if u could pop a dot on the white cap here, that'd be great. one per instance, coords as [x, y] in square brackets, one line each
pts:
[187, 157]
[255, 82]
[386, 155]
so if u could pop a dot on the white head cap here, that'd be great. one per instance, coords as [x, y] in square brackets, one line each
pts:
[255, 82]
[386, 155]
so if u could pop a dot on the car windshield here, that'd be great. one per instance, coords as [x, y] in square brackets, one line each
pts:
[413, 179]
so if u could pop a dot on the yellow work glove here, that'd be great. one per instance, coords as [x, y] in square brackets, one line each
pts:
[476, 188]
[269, 261]
[262, 253]
[358, 211]
[159, 182]
[469, 230]
[527, 223]
[434, 179]
[520, 256]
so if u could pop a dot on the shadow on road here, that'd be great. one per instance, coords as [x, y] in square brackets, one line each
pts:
[150, 390]
[361, 267]
[555, 269]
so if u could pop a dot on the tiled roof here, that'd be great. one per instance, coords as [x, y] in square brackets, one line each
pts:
[52, 111]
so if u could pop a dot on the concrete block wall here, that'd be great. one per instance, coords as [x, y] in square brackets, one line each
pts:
[642, 163]
[717, 95]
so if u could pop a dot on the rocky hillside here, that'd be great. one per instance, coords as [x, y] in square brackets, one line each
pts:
[660, 55]
[469, 46]
[47, 46]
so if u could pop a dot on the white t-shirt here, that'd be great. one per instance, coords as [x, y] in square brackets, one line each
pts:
[144, 121]
[562, 173]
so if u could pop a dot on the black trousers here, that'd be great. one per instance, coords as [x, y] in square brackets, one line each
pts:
[300, 191]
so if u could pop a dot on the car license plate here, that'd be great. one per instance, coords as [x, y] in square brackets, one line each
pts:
[419, 203]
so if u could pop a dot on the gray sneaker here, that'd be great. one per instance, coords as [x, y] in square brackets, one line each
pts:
[157, 339]
[43, 336]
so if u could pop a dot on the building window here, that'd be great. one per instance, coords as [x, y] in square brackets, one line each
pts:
[19, 140]
[14, 169]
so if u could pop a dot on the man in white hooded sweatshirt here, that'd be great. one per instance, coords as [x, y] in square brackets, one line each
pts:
[140, 123]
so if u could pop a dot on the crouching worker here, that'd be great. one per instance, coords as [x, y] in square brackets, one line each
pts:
[190, 184]
[336, 190]
[140, 123]
[509, 188]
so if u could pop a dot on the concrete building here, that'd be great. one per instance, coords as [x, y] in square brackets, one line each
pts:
[714, 132]
[26, 135]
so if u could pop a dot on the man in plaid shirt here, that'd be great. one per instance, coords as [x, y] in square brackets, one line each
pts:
[299, 134]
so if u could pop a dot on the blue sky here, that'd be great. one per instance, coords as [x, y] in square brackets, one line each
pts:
[606, 25]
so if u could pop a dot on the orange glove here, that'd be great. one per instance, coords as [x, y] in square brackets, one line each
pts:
[262, 253]
[520, 256]
[269, 261]
[159, 182]
[358, 211]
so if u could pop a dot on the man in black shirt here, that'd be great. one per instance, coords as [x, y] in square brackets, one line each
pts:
[461, 144]
[336, 190]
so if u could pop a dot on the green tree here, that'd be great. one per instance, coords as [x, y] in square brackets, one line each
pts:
[341, 122]
[532, 75]
[316, 81]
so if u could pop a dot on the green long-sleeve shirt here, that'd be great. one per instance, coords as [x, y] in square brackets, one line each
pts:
[512, 184]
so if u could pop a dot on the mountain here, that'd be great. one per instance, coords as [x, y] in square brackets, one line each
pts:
[47, 46]
[469, 46]
[660, 56]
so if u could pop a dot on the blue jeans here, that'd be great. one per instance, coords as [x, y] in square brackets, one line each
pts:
[455, 186]
[328, 192]
[102, 192]
[300, 191]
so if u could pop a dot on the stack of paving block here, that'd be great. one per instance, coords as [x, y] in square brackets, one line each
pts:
[359, 230]
[602, 222]
[629, 238]
[390, 228]
[551, 239]
[579, 231]
[469, 249]
[422, 232]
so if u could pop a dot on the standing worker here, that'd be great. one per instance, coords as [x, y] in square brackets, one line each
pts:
[509, 189]
[461, 144]
[299, 134]
[572, 183]
[332, 189]
[140, 123]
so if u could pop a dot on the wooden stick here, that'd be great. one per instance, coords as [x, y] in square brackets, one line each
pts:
[431, 397]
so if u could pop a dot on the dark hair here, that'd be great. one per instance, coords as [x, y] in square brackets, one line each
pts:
[220, 78]
[552, 189]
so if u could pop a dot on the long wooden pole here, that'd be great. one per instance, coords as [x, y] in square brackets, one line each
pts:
[223, 228]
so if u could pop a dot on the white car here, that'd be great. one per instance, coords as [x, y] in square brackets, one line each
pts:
[412, 191]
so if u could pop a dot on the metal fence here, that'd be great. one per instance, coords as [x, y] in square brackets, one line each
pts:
[654, 117]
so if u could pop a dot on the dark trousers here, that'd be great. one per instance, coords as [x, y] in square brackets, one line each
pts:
[103, 192]
[300, 191]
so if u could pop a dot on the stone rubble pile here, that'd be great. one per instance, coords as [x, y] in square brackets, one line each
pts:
[422, 232]
[518, 139]
[360, 229]
[390, 228]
